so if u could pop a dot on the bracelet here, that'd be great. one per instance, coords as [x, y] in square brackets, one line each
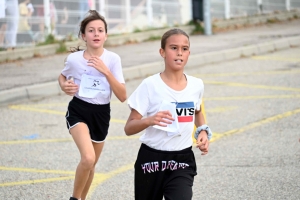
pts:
[206, 128]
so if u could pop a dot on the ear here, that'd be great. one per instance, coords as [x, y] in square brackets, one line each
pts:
[162, 53]
[83, 37]
[105, 37]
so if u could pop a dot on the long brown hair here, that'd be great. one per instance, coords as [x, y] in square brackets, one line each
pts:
[91, 16]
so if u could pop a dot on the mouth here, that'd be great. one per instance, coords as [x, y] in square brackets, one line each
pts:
[178, 61]
[96, 40]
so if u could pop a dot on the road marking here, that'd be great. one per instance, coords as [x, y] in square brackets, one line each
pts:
[256, 124]
[250, 73]
[277, 58]
[100, 178]
[45, 171]
[33, 109]
[64, 140]
[252, 97]
[252, 86]
[59, 104]
[221, 109]
[36, 181]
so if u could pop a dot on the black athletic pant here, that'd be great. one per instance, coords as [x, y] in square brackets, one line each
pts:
[168, 174]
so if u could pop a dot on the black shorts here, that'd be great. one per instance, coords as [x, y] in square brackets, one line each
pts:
[168, 174]
[96, 117]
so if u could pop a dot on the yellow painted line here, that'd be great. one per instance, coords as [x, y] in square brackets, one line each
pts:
[277, 58]
[252, 86]
[28, 108]
[36, 181]
[252, 97]
[249, 73]
[32, 170]
[100, 178]
[35, 141]
[120, 121]
[32, 109]
[221, 109]
[256, 124]
[64, 140]
[55, 104]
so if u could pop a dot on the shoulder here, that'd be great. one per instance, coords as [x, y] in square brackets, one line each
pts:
[148, 82]
[151, 80]
[194, 80]
[111, 54]
[75, 56]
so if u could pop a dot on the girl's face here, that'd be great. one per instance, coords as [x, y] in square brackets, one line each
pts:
[95, 34]
[176, 52]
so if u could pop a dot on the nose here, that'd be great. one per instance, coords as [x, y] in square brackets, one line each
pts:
[179, 53]
[96, 33]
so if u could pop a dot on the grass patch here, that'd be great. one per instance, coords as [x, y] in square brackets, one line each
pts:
[153, 38]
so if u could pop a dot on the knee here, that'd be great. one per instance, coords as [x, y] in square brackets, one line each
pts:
[88, 161]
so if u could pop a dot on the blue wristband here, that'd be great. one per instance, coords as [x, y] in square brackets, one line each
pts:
[206, 128]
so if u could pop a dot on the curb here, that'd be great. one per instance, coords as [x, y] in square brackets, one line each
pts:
[114, 40]
[39, 91]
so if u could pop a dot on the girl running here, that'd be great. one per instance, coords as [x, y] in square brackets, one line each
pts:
[167, 106]
[90, 76]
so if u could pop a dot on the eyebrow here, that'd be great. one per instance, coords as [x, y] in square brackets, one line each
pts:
[96, 27]
[179, 45]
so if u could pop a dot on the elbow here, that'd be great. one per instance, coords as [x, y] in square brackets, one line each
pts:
[126, 131]
[123, 98]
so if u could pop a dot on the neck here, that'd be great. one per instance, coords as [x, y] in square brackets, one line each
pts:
[174, 76]
[95, 52]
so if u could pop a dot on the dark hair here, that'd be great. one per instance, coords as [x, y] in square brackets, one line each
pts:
[166, 35]
[90, 16]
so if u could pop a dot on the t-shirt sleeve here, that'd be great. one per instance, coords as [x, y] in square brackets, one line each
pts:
[117, 70]
[67, 71]
[139, 99]
[200, 99]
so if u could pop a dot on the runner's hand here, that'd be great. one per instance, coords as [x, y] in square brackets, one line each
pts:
[162, 118]
[69, 87]
[98, 64]
[202, 142]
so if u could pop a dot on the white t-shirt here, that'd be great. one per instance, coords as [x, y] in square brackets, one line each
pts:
[76, 66]
[146, 100]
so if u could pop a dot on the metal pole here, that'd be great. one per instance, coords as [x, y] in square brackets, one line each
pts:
[227, 9]
[93, 5]
[149, 13]
[102, 7]
[128, 15]
[288, 5]
[259, 6]
[207, 19]
[47, 20]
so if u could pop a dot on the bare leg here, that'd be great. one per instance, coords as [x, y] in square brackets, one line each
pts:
[98, 149]
[81, 136]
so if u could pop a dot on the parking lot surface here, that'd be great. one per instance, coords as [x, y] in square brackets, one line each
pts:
[251, 104]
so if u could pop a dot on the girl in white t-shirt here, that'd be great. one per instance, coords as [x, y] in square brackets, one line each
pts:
[90, 76]
[167, 106]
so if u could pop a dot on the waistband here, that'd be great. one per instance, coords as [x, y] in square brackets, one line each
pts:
[90, 105]
[187, 150]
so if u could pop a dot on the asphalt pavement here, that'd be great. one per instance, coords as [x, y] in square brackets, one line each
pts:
[251, 104]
